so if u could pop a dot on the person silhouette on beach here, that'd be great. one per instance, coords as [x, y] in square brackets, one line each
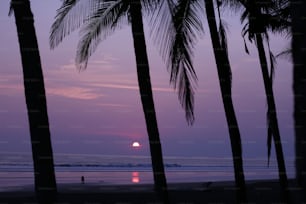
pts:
[83, 179]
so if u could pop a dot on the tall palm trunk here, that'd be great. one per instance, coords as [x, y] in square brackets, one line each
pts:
[223, 68]
[45, 183]
[298, 14]
[273, 116]
[147, 99]
[299, 86]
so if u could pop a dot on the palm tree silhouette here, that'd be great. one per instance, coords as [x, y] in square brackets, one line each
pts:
[99, 19]
[45, 183]
[224, 73]
[298, 14]
[175, 38]
[261, 17]
[178, 44]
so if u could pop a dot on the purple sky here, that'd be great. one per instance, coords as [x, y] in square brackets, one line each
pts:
[98, 111]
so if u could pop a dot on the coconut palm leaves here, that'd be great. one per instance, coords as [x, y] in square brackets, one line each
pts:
[101, 24]
[97, 18]
[179, 61]
[180, 26]
[70, 16]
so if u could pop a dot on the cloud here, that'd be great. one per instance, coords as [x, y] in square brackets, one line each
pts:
[7, 88]
[104, 62]
[68, 66]
[113, 105]
[10, 78]
[74, 93]
[130, 87]
[11, 89]
[113, 131]
[160, 89]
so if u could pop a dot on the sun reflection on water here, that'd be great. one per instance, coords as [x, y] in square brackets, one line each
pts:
[135, 177]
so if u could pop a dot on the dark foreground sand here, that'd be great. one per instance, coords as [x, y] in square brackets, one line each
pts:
[260, 191]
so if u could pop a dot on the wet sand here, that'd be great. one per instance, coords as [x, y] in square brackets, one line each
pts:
[259, 191]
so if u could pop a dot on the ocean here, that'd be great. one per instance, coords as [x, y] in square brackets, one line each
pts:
[16, 169]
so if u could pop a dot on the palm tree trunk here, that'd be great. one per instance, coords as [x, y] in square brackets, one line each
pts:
[298, 14]
[147, 99]
[273, 117]
[223, 68]
[45, 183]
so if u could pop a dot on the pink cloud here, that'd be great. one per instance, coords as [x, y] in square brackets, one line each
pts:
[130, 87]
[74, 93]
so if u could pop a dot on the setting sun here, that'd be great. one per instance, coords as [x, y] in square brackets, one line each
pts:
[136, 144]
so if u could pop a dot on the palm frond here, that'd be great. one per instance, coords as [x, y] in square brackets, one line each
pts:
[98, 26]
[244, 15]
[246, 32]
[272, 65]
[161, 26]
[11, 10]
[70, 16]
[233, 5]
[277, 24]
[246, 49]
[176, 34]
[223, 37]
[287, 53]
[187, 27]
[186, 95]
[151, 6]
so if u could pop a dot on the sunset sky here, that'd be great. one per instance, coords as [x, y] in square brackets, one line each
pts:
[98, 111]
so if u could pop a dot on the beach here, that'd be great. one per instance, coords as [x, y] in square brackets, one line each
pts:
[259, 191]
[126, 179]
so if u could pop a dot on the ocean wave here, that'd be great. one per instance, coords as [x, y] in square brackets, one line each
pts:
[95, 166]
[123, 165]
[128, 165]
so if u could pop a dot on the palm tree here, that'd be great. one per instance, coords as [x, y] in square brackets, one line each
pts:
[262, 16]
[178, 44]
[99, 19]
[45, 183]
[298, 11]
[224, 73]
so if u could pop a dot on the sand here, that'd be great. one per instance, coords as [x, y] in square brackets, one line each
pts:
[259, 191]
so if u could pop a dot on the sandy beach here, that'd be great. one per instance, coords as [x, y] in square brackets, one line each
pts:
[259, 191]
